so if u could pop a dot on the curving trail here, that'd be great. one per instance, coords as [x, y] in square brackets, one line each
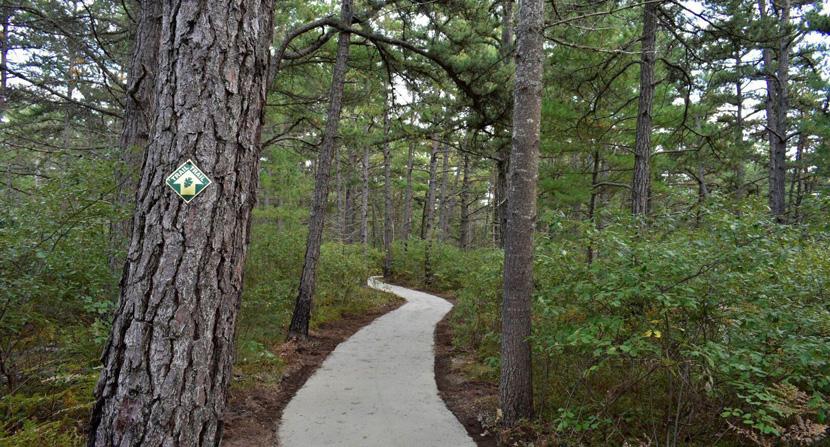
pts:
[377, 389]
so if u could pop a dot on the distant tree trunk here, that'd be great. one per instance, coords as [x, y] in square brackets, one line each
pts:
[302, 308]
[592, 202]
[364, 198]
[782, 107]
[515, 384]
[445, 174]
[5, 12]
[777, 106]
[139, 116]
[341, 199]
[464, 235]
[407, 206]
[427, 217]
[452, 196]
[167, 364]
[387, 195]
[740, 188]
[641, 186]
[349, 214]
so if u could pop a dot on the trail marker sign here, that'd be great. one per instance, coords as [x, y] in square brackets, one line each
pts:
[188, 181]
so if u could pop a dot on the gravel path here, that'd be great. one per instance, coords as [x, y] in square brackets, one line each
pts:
[378, 387]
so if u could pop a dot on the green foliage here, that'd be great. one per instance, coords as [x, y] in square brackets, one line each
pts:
[680, 329]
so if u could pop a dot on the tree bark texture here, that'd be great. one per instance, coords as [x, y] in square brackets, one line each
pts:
[302, 308]
[641, 186]
[168, 361]
[515, 384]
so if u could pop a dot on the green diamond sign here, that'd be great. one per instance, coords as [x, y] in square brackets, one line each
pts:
[188, 181]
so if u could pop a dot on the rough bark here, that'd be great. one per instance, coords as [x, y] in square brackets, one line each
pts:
[515, 384]
[387, 196]
[406, 231]
[168, 361]
[302, 308]
[642, 146]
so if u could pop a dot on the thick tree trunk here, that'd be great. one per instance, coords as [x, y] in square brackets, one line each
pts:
[139, 116]
[407, 206]
[427, 217]
[302, 308]
[387, 195]
[515, 384]
[168, 361]
[464, 235]
[444, 208]
[642, 147]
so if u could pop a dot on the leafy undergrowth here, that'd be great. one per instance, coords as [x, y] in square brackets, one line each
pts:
[688, 333]
[58, 308]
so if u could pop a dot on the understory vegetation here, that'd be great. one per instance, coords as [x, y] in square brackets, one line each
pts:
[706, 327]
[57, 296]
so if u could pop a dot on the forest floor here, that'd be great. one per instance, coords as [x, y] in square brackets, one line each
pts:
[472, 401]
[378, 388]
[254, 411]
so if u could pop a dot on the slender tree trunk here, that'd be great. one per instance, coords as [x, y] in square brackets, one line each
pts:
[740, 188]
[452, 199]
[427, 217]
[168, 361]
[364, 198]
[407, 206]
[503, 156]
[5, 12]
[341, 199]
[464, 233]
[642, 147]
[387, 195]
[302, 309]
[782, 107]
[445, 175]
[592, 202]
[515, 383]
